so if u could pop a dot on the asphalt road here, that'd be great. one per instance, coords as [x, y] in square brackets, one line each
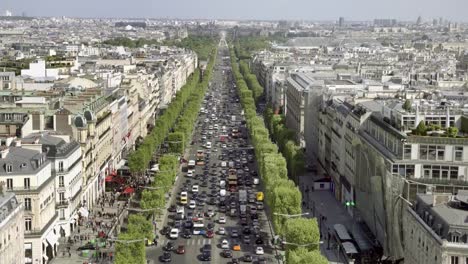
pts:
[223, 97]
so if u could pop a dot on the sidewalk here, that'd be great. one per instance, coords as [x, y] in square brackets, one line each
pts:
[327, 210]
[100, 219]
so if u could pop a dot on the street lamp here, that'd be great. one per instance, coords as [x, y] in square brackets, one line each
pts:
[290, 216]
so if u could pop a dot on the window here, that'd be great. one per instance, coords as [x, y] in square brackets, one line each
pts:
[455, 238]
[427, 152]
[61, 166]
[27, 204]
[28, 224]
[9, 168]
[62, 197]
[27, 183]
[454, 260]
[458, 155]
[61, 181]
[407, 152]
[9, 184]
[62, 214]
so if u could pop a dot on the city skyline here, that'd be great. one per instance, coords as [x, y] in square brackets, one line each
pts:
[359, 10]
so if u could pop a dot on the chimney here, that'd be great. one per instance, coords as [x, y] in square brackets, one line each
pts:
[18, 143]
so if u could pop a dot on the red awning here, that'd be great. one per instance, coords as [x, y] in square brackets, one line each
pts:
[119, 180]
[128, 190]
[109, 178]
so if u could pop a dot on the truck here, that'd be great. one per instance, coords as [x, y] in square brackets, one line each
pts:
[200, 158]
[232, 180]
[242, 196]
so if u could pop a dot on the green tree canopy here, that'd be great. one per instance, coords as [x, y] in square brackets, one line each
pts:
[304, 256]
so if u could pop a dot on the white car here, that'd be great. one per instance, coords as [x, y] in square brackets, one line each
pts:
[259, 251]
[174, 234]
[208, 145]
[221, 231]
[192, 204]
[207, 120]
[203, 137]
[256, 181]
[183, 195]
[190, 173]
[222, 220]
[215, 150]
[223, 146]
[224, 244]
[195, 189]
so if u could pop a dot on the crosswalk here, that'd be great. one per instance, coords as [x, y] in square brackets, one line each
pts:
[187, 242]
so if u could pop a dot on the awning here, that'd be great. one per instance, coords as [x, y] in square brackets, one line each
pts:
[109, 178]
[52, 238]
[84, 212]
[128, 190]
[119, 180]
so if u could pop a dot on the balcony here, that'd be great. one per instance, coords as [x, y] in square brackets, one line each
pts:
[62, 204]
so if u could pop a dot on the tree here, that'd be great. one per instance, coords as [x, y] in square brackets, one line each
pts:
[420, 129]
[176, 142]
[130, 252]
[302, 231]
[407, 105]
[285, 199]
[304, 256]
[452, 131]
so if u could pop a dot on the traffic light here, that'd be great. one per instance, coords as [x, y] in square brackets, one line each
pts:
[350, 204]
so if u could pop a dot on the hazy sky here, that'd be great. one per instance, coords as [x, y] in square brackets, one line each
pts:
[455, 10]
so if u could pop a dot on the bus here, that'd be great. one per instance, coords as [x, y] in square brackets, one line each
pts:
[346, 244]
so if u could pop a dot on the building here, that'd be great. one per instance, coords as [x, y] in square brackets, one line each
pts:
[341, 22]
[65, 158]
[12, 226]
[28, 173]
[435, 230]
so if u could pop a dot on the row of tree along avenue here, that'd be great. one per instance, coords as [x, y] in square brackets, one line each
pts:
[173, 127]
[300, 235]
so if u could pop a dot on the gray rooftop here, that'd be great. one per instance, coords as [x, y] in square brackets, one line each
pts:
[23, 161]
[8, 203]
[54, 147]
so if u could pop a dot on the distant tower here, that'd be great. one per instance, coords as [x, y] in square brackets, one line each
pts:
[419, 20]
[435, 22]
[341, 22]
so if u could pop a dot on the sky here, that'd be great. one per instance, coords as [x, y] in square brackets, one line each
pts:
[358, 10]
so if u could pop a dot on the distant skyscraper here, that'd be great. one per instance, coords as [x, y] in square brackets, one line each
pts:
[419, 20]
[435, 22]
[341, 22]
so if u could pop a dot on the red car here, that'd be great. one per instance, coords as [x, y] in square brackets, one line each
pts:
[210, 234]
[180, 249]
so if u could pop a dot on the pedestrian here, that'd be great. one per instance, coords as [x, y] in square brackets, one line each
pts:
[69, 254]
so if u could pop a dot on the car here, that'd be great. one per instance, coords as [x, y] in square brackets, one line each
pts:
[195, 188]
[246, 239]
[236, 247]
[259, 205]
[221, 231]
[247, 258]
[226, 253]
[172, 209]
[206, 247]
[247, 230]
[210, 226]
[234, 233]
[256, 181]
[224, 244]
[192, 204]
[165, 231]
[88, 246]
[187, 234]
[234, 261]
[259, 240]
[174, 234]
[209, 234]
[205, 256]
[180, 249]
[261, 260]
[166, 257]
[259, 251]
[210, 212]
[169, 246]
[222, 220]
[190, 173]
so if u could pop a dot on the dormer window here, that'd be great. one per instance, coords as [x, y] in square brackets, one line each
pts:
[9, 168]
[455, 237]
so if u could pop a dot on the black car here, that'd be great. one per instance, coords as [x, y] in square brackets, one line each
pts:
[172, 209]
[205, 256]
[187, 234]
[234, 261]
[188, 224]
[169, 246]
[206, 248]
[210, 226]
[165, 231]
[247, 230]
[226, 253]
[166, 257]
[204, 183]
[247, 258]
[87, 246]
[259, 240]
